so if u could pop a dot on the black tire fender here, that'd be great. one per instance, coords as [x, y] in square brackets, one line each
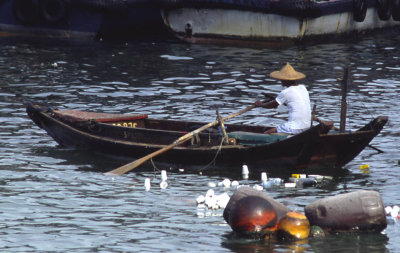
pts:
[384, 9]
[396, 10]
[53, 11]
[26, 11]
[359, 10]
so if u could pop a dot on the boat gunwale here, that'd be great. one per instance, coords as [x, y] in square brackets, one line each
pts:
[48, 115]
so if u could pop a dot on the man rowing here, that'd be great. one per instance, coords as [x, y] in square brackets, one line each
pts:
[294, 96]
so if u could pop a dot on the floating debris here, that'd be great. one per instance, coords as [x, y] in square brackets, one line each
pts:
[388, 210]
[258, 187]
[305, 182]
[394, 211]
[316, 232]
[298, 175]
[272, 182]
[365, 168]
[321, 178]
[222, 200]
[264, 177]
[245, 172]
[212, 184]
[164, 175]
[163, 185]
[226, 183]
[147, 184]
[290, 185]
[213, 201]
[234, 183]
[210, 193]
[200, 199]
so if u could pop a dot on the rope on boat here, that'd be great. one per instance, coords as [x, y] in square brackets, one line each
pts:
[154, 166]
[216, 154]
[205, 167]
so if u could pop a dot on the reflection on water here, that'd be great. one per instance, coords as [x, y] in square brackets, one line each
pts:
[52, 198]
[348, 243]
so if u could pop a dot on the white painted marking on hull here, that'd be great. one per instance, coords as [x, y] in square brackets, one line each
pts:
[257, 25]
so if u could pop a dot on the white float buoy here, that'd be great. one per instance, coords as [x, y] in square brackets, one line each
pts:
[163, 185]
[226, 183]
[200, 199]
[147, 184]
[212, 184]
[258, 187]
[388, 210]
[264, 177]
[395, 211]
[164, 175]
[290, 185]
[210, 202]
[267, 184]
[245, 171]
[210, 193]
[222, 200]
[234, 183]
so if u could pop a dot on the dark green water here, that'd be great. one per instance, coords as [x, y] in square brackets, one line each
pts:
[52, 200]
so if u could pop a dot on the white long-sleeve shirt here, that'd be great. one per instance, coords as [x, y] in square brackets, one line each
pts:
[297, 99]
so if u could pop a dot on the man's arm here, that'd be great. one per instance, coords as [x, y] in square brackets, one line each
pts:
[270, 104]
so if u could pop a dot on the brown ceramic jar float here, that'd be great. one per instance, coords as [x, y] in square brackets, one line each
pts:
[253, 213]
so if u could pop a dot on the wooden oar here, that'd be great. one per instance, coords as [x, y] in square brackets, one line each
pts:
[130, 166]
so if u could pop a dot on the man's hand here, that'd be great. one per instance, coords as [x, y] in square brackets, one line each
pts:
[258, 103]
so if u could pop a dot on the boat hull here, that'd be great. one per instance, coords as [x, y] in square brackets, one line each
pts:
[312, 149]
[84, 20]
[209, 25]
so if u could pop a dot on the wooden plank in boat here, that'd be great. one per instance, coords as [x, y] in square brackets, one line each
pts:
[72, 115]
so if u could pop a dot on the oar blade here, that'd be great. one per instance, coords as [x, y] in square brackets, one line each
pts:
[126, 168]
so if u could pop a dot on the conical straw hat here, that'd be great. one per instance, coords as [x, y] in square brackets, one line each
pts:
[287, 73]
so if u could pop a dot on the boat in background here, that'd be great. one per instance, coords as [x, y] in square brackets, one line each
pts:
[82, 19]
[135, 136]
[262, 21]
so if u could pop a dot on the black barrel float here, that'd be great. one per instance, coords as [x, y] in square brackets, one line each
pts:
[53, 11]
[384, 9]
[349, 212]
[359, 10]
[26, 11]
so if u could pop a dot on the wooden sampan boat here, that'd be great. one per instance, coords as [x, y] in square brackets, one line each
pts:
[134, 136]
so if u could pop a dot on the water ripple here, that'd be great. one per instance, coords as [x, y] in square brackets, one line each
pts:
[51, 200]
